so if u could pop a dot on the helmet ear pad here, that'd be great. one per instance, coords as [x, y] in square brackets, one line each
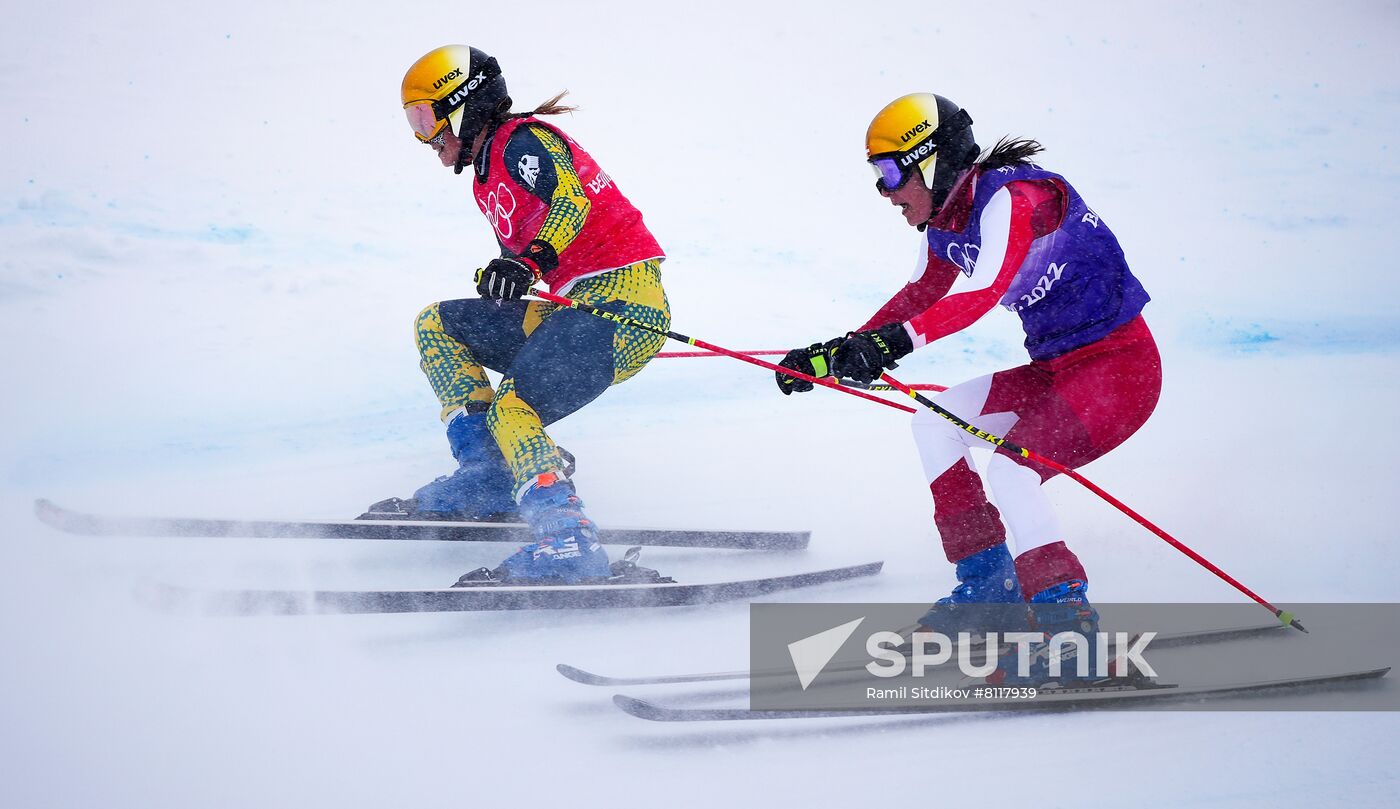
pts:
[483, 113]
[942, 170]
[492, 102]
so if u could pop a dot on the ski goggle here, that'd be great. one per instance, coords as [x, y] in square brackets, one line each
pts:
[889, 174]
[893, 169]
[424, 120]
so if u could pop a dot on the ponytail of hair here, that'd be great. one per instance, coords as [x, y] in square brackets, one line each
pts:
[1011, 152]
[550, 107]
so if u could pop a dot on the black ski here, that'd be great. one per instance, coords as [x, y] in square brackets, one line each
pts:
[75, 522]
[1067, 698]
[1167, 640]
[492, 597]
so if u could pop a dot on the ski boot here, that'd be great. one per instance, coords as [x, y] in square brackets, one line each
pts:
[479, 489]
[1061, 608]
[987, 599]
[566, 550]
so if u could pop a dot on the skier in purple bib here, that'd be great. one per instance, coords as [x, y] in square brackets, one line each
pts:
[1000, 230]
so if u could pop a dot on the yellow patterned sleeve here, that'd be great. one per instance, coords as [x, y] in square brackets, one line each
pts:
[568, 207]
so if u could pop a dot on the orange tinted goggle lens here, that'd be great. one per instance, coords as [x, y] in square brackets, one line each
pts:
[425, 123]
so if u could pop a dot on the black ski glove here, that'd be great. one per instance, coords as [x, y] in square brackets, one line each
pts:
[814, 360]
[509, 277]
[864, 355]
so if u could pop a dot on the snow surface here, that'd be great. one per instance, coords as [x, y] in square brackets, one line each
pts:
[217, 231]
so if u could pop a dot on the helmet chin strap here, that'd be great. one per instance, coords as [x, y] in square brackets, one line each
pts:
[462, 154]
[933, 209]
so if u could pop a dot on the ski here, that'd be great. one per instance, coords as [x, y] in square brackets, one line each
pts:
[1067, 698]
[1168, 640]
[76, 522]
[490, 597]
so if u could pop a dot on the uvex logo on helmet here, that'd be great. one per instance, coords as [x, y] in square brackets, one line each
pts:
[442, 82]
[919, 128]
[925, 148]
[460, 94]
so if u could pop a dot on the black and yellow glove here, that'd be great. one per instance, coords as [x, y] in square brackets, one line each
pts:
[509, 277]
[814, 360]
[864, 355]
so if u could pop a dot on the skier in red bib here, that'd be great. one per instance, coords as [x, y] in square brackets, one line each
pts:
[560, 220]
[1001, 231]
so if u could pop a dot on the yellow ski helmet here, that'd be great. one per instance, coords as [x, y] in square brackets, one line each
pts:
[920, 131]
[457, 86]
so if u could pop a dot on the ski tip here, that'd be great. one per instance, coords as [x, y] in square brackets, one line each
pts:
[867, 569]
[578, 675]
[639, 708]
[51, 513]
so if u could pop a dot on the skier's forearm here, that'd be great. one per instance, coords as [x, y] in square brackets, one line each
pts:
[568, 205]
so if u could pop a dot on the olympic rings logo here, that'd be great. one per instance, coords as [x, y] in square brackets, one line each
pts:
[498, 207]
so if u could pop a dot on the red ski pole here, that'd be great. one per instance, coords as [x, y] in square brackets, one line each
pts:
[1286, 617]
[670, 355]
[851, 383]
[623, 320]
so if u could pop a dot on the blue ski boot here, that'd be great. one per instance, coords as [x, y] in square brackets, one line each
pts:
[1056, 610]
[480, 488]
[987, 599]
[566, 550]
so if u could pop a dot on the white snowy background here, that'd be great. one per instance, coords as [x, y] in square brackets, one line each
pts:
[217, 230]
